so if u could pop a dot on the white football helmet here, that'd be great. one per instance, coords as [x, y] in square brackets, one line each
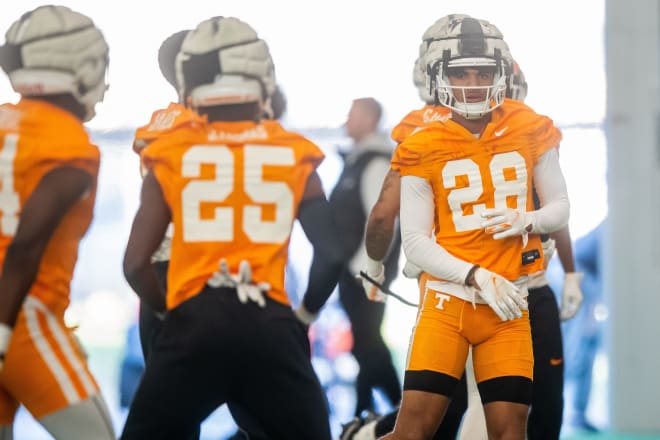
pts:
[167, 53]
[419, 76]
[516, 87]
[55, 50]
[459, 40]
[223, 61]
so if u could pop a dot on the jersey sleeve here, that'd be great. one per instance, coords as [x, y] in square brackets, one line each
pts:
[407, 125]
[543, 136]
[411, 157]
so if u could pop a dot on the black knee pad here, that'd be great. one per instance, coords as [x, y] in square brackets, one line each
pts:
[429, 381]
[516, 389]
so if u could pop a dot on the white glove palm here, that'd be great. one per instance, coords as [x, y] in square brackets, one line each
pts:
[375, 270]
[571, 295]
[242, 282]
[501, 295]
[507, 222]
[5, 336]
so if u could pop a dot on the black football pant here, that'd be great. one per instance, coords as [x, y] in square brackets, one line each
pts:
[369, 349]
[545, 416]
[213, 350]
[150, 326]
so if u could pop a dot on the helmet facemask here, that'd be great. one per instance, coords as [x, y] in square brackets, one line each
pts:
[456, 97]
[462, 42]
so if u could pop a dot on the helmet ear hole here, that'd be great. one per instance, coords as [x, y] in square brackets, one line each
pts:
[10, 57]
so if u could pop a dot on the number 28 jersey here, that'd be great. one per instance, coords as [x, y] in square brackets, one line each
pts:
[233, 189]
[469, 174]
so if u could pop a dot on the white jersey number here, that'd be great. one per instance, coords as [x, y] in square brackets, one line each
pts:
[508, 173]
[9, 202]
[221, 227]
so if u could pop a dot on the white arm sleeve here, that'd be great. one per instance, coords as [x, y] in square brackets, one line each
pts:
[551, 189]
[416, 214]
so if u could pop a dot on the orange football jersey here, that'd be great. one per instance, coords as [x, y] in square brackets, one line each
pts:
[162, 120]
[417, 119]
[469, 174]
[233, 189]
[35, 138]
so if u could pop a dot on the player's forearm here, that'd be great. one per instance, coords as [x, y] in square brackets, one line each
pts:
[551, 188]
[421, 249]
[382, 218]
[564, 249]
[19, 271]
[144, 282]
[317, 221]
[378, 236]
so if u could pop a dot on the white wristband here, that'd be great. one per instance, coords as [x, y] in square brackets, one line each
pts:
[374, 267]
[5, 336]
[304, 315]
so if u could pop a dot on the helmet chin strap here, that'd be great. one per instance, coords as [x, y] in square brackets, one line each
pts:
[472, 110]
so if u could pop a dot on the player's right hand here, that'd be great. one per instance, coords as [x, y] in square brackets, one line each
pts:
[246, 289]
[501, 295]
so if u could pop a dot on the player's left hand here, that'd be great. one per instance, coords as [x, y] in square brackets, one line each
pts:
[246, 289]
[507, 222]
[5, 336]
[376, 270]
[571, 295]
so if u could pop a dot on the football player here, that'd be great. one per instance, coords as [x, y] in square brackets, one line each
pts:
[545, 415]
[149, 322]
[56, 59]
[468, 221]
[232, 186]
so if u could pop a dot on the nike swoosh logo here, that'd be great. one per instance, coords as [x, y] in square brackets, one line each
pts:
[555, 362]
[499, 133]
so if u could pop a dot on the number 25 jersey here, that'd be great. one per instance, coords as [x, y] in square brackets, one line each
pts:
[233, 189]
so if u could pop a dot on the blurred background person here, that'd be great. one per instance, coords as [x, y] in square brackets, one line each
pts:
[583, 334]
[365, 166]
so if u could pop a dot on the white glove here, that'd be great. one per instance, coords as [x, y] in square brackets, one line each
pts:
[411, 270]
[5, 336]
[503, 223]
[242, 282]
[501, 295]
[571, 295]
[375, 270]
